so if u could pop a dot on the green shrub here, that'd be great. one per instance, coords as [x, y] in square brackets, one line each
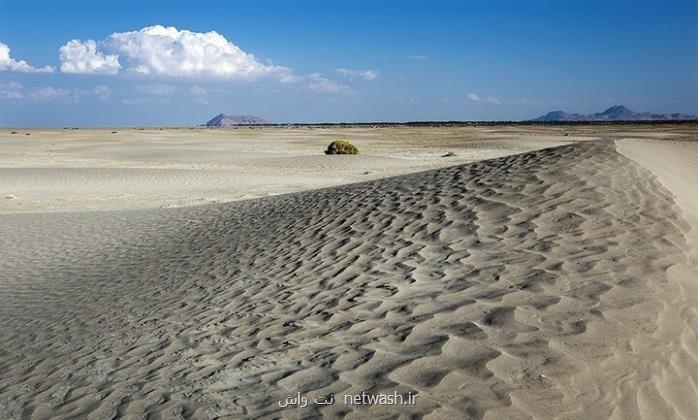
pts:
[341, 147]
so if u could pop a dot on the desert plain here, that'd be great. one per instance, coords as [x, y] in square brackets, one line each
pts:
[521, 272]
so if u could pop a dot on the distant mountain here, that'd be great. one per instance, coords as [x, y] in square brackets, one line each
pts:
[222, 120]
[614, 113]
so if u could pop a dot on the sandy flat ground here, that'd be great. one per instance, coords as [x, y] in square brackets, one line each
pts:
[106, 169]
[555, 282]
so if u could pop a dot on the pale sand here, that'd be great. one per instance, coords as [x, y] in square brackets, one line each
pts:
[92, 169]
[558, 283]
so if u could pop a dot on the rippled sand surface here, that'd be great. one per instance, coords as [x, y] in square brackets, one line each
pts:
[555, 283]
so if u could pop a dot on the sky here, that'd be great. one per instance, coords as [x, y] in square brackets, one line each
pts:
[150, 63]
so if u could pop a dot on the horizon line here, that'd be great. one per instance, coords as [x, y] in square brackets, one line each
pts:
[361, 123]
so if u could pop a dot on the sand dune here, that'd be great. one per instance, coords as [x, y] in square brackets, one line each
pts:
[556, 283]
[673, 162]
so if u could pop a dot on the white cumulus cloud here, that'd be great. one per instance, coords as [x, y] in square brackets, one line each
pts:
[168, 51]
[358, 74]
[10, 64]
[171, 52]
[83, 57]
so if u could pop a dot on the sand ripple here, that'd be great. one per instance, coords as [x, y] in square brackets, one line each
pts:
[534, 285]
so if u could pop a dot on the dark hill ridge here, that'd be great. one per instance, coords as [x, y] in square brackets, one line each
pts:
[222, 120]
[614, 113]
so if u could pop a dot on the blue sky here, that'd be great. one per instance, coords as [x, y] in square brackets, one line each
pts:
[158, 63]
